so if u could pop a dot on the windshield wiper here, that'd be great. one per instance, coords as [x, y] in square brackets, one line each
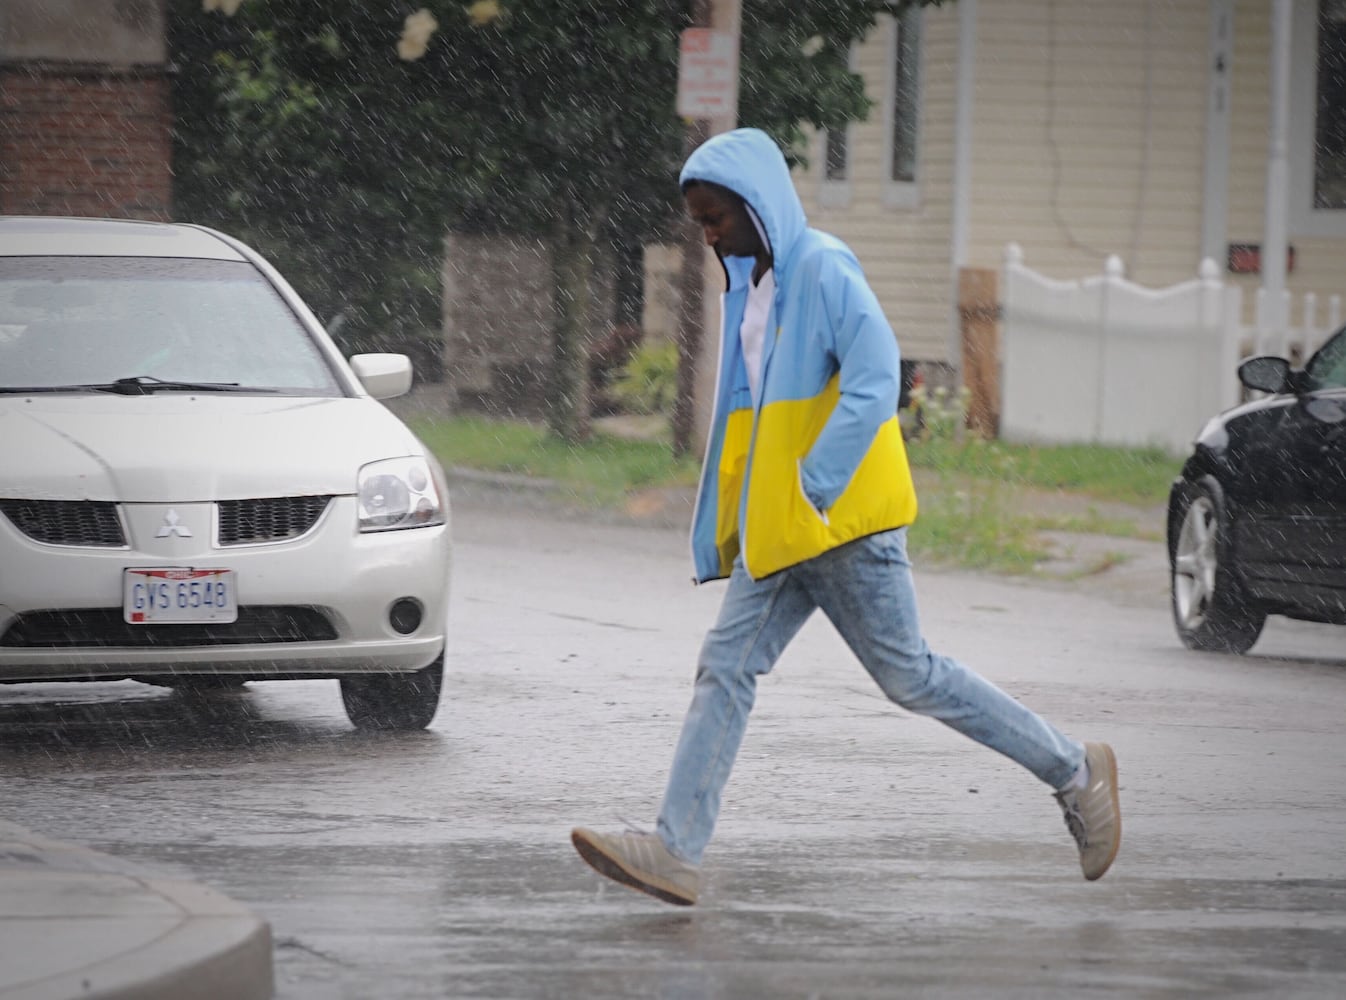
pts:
[136, 385]
[143, 385]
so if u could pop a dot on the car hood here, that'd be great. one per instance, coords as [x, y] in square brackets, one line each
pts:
[176, 448]
[1256, 405]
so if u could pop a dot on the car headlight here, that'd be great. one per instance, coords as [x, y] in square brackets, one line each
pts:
[398, 493]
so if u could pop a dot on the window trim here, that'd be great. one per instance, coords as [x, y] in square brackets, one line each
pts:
[1304, 219]
[837, 193]
[902, 194]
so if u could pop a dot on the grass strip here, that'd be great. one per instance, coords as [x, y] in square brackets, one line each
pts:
[976, 497]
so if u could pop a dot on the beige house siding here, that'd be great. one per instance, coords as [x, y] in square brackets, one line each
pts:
[1088, 136]
[1250, 113]
[1319, 262]
[1088, 139]
[904, 249]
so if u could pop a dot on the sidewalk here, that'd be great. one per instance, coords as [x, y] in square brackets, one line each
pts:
[76, 923]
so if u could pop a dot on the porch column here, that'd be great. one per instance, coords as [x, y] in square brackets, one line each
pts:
[1275, 244]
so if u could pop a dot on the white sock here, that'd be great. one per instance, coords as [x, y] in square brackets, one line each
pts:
[1080, 779]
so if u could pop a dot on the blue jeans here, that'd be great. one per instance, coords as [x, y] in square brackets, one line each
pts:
[865, 589]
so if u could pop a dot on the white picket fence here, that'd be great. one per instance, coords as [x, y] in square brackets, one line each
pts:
[1266, 336]
[1103, 360]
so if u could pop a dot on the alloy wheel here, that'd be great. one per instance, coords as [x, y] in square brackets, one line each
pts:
[1195, 563]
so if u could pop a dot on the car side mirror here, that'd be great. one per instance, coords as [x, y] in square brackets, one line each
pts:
[1266, 374]
[383, 375]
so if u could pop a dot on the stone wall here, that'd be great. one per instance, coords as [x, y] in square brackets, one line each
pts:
[663, 265]
[498, 323]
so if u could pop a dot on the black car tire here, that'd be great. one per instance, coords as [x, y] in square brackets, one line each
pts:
[394, 701]
[1210, 610]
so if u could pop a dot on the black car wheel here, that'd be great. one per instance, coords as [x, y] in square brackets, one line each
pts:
[1209, 608]
[394, 701]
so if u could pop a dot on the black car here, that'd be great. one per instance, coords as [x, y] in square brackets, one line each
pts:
[1257, 520]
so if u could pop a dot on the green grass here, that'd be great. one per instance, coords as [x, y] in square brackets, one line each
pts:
[972, 493]
[982, 501]
[602, 471]
[973, 525]
[1129, 475]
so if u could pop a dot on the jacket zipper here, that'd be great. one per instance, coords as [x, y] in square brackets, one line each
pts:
[714, 414]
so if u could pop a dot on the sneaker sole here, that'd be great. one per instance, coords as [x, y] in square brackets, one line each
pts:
[1111, 759]
[605, 864]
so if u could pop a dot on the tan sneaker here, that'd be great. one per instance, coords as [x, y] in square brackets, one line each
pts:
[1093, 813]
[641, 861]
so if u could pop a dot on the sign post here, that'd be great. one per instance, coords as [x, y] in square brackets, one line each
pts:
[707, 73]
[708, 101]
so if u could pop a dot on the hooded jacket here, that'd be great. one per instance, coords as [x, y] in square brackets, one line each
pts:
[818, 461]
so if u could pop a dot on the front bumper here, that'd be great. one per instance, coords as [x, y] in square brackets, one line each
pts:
[349, 578]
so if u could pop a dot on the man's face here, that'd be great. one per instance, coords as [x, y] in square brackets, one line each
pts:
[724, 222]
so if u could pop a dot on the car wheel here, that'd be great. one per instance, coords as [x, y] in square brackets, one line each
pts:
[394, 701]
[1209, 608]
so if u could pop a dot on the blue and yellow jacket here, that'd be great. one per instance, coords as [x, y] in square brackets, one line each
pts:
[819, 461]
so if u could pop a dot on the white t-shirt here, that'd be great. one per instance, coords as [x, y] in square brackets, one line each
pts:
[753, 329]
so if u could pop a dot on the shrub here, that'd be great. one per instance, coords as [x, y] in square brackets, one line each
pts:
[648, 382]
[940, 416]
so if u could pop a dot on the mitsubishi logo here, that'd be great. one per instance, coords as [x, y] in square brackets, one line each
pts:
[171, 527]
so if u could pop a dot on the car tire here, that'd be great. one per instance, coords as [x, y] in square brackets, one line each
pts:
[1210, 610]
[394, 701]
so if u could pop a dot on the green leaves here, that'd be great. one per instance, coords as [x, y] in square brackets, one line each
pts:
[648, 382]
[300, 128]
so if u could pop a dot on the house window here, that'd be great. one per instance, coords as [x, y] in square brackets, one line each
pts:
[903, 108]
[1329, 156]
[1317, 128]
[836, 154]
[835, 189]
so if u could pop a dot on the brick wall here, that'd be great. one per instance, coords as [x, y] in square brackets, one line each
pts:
[85, 140]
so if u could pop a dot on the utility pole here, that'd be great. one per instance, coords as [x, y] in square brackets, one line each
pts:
[1275, 247]
[691, 287]
[697, 311]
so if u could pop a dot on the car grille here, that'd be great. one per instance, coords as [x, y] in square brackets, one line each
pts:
[270, 519]
[95, 524]
[105, 628]
[67, 522]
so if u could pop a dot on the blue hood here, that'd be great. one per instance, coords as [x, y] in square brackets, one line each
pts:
[748, 162]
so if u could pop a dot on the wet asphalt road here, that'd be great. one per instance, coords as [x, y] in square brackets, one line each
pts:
[863, 852]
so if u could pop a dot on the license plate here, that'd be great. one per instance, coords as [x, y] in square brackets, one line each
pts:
[176, 595]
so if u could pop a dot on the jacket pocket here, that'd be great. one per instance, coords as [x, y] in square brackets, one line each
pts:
[803, 494]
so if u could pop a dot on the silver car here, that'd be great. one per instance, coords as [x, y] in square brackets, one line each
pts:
[196, 489]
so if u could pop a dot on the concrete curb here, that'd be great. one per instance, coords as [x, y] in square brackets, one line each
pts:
[75, 923]
[669, 508]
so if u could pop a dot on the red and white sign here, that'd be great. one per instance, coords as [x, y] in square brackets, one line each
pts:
[707, 73]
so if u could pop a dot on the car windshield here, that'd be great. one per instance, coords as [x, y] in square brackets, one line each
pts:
[195, 324]
[1327, 368]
